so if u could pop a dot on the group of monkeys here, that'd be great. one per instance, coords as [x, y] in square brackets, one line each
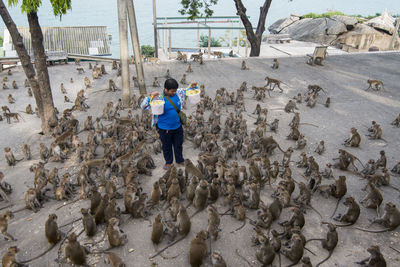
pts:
[128, 143]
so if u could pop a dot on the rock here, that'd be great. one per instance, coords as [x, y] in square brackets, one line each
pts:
[350, 22]
[384, 22]
[280, 24]
[335, 27]
[373, 49]
[310, 30]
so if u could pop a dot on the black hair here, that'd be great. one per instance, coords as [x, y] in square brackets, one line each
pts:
[171, 84]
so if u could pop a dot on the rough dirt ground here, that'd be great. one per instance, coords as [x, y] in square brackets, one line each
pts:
[343, 78]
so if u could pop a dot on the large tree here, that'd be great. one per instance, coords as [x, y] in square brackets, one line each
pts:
[39, 78]
[193, 9]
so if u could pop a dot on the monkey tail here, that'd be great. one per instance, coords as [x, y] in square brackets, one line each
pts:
[244, 223]
[243, 258]
[68, 203]
[70, 222]
[337, 205]
[324, 260]
[42, 254]
[170, 245]
[373, 231]
[314, 209]
[305, 123]
[314, 239]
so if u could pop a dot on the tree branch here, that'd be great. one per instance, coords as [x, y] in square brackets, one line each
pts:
[241, 11]
[261, 20]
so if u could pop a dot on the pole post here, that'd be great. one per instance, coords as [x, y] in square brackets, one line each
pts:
[198, 35]
[238, 41]
[169, 43]
[209, 42]
[395, 34]
[155, 29]
[124, 50]
[136, 47]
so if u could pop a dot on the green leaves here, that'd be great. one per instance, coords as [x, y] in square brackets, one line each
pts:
[194, 8]
[60, 7]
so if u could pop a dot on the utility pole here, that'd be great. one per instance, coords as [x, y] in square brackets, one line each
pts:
[136, 47]
[124, 50]
[155, 29]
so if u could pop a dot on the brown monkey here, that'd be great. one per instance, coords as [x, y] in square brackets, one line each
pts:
[376, 258]
[157, 233]
[26, 150]
[11, 99]
[115, 238]
[374, 197]
[30, 94]
[111, 85]
[89, 224]
[114, 260]
[87, 82]
[156, 83]
[28, 109]
[201, 196]
[53, 235]
[191, 169]
[390, 220]
[306, 262]
[295, 251]
[138, 206]
[244, 67]
[396, 121]
[44, 152]
[354, 140]
[320, 148]
[189, 68]
[14, 85]
[198, 249]
[95, 199]
[183, 80]
[275, 64]
[328, 102]
[376, 83]
[266, 253]
[275, 82]
[217, 260]
[63, 90]
[183, 221]
[156, 194]
[174, 190]
[11, 161]
[4, 218]
[74, 251]
[351, 215]
[381, 162]
[99, 215]
[213, 222]
[9, 260]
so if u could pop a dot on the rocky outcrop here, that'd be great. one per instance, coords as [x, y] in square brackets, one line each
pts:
[280, 24]
[350, 22]
[343, 31]
[384, 23]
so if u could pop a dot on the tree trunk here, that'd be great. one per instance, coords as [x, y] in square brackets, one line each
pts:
[23, 56]
[43, 74]
[254, 38]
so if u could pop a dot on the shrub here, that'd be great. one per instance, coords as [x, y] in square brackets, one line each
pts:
[147, 50]
[204, 41]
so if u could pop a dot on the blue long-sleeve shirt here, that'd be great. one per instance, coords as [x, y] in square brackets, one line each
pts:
[169, 120]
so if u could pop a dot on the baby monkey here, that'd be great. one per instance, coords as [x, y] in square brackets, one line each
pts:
[275, 64]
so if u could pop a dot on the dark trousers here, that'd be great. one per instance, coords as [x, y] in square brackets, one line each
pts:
[172, 139]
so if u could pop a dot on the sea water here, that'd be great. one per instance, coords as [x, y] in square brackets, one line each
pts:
[104, 13]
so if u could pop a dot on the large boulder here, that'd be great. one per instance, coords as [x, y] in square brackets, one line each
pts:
[335, 27]
[385, 22]
[350, 22]
[310, 30]
[280, 24]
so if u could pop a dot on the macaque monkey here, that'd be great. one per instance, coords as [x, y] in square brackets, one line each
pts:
[67, 100]
[376, 258]
[89, 224]
[189, 68]
[351, 215]
[376, 133]
[156, 83]
[327, 173]
[290, 106]
[31, 201]
[63, 90]
[330, 242]
[71, 80]
[374, 197]
[201, 62]
[275, 64]
[244, 67]
[275, 82]
[28, 109]
[113, 260]
[328, 102]
[26, 150]
[266, 253]
[298, 98]
[396, 168]
[80, 70]
[167, 74]
[320, 148]
[157, 232]
[375, 85]
[198, 249]
[5, 217]
[14, 85]
[295, 250]
[354, 140]
[111, 85]
[11, 161]
[115, 238]
[213, 222]
[26, 83]
[301, 142]
[77, 61]
[11, 99]
[201, 196]
[74, 251]
[9, 259]
[183, 80]
[396, 121]
[44, 152]
[217, 260]
[30, 92]
[390, 219]
[87, 82]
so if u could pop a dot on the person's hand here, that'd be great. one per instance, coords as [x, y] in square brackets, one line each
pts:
[155, 94]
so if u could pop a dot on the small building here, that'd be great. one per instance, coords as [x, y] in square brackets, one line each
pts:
[83, 40]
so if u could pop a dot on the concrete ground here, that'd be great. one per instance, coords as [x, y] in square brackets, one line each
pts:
[343, 77]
